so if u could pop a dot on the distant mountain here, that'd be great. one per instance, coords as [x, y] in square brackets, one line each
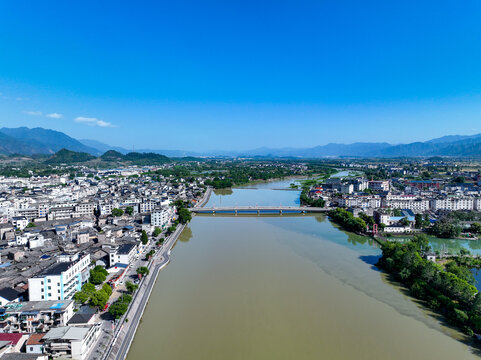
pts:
[356, 149]
[43, 141]
[100, 146]
[65, 156]
[10, 145]
[36, 141]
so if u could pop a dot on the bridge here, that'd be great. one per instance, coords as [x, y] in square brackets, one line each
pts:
[258, 210]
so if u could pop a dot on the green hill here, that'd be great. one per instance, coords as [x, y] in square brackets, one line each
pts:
[65, 156]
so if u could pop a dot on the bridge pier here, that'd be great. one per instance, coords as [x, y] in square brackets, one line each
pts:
[258, 212]
[280, 212]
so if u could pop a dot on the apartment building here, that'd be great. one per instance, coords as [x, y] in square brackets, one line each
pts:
[35, 316]
[379, 185]
[411, 202]
[160, 217]
[452, 203]
[60, 281]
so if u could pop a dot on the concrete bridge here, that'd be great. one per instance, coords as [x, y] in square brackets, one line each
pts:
[258, 210]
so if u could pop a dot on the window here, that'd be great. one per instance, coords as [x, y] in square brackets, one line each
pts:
[41, 289]
[49, 294]
[43, 297]
[41, 282]
[49, 287]
[58, 284]
[49, 280]
[58, 291]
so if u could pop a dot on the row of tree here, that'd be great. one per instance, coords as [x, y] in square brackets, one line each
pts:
[448, 290]
[347, 220]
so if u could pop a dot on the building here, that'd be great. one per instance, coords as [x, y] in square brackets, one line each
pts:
[59, 281]
[71, 341]
[124, 254]
[365, 202]
[347, 188]
[160, 217]
[411, 202]
[452, 203]
[35, 316]
[9, 295]
[20, 222]
[379, 185]
[34, 344]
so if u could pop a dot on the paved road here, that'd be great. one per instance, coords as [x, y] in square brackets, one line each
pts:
[126, 334]
[259, 208]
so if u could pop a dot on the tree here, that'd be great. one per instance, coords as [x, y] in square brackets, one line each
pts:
[184, 216]
[117, 212]
[143, 271]
[118, 309]
[129, 210]
[98, 275]
[131, 287]
[475, 228]
[157, 231]
[404, 221]
[144, 237]
[99, 298]
[81, 297]
[397, 212]
[107, 288]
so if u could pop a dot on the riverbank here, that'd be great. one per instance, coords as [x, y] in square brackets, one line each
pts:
[128, 324]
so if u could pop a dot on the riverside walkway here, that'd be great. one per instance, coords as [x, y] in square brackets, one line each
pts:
[258, 209]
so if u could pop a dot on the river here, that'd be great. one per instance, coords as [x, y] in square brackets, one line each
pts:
[282, 287]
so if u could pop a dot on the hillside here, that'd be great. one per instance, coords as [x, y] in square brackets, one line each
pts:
[68, 157]
[43, 141]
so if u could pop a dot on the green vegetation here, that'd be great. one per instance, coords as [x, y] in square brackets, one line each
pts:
[65, 156]
[92, 296]
[306, 200]
[129, 210]
[144, 237]
[347, 220]
[157, 231]
[184, 215]
[448, 291]
[120, 307]
[143, 271]
[131, 287]
[98, 275]
[117, 212]
[445, 229]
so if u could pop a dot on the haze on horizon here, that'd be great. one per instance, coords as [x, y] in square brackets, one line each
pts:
[242, 75]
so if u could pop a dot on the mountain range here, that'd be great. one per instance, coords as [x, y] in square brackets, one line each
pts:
[35, 141]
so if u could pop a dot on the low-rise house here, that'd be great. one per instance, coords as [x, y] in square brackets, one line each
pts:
[34, 344]
[9, 295]
[123, 254]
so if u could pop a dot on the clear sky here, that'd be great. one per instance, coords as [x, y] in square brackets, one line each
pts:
[233, 75]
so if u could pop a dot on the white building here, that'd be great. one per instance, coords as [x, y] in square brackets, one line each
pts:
[60, 281]
[161, 217]
[365, 202]
[124, 254]
[452, 203]
[73, 342]
[411, 202]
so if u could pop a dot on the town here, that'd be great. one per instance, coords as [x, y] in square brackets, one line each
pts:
[78, 241]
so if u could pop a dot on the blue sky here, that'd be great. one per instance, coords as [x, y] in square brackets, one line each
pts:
[241, 74]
